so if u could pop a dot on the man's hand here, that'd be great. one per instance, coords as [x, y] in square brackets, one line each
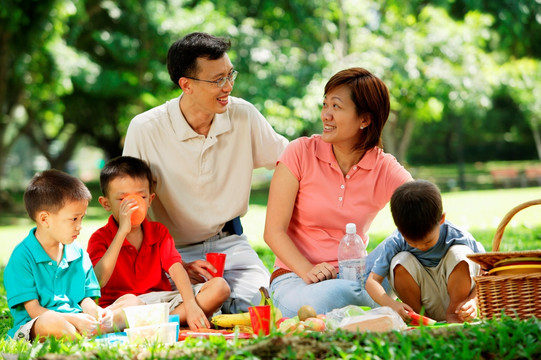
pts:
[198, 271]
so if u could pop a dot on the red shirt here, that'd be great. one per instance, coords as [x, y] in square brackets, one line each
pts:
[136, 272]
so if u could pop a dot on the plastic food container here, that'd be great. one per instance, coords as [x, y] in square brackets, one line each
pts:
[165, 333]
[145, 315]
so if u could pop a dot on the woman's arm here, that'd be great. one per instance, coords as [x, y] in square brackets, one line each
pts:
[282, 194]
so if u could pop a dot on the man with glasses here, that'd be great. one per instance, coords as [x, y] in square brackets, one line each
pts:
[202, 147]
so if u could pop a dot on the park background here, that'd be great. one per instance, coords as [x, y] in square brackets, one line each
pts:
[465, 84]
[464, 78]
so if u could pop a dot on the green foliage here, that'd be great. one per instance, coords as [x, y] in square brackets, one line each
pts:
[78, 71]
[516, 22]
[505, 339]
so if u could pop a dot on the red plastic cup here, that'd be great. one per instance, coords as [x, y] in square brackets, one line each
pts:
[218, 261]
[140, 213]
[260, 319]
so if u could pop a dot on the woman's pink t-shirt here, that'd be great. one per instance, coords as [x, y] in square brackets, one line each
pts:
[327, 200]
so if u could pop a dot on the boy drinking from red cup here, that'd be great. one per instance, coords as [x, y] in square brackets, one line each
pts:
[131, 258]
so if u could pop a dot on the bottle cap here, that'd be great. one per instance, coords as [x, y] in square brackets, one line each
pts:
[351, 228]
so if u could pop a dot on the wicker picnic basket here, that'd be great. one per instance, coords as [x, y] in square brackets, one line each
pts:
[516, 295]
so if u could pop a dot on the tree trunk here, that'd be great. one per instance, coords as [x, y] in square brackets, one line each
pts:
[396, 140]
[389, 134]
[405, 142]
[536, 136]
[460, 153]
[343, 48]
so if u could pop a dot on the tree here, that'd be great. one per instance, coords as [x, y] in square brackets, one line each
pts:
[25, 31]
[430, 63]
[522, 79]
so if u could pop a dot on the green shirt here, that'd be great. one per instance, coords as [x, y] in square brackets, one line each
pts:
[32, 274]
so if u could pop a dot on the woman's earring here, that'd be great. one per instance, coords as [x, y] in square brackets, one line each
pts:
[362, 127]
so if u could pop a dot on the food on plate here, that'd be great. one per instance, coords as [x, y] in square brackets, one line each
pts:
[231, 320]
[417, 319]
[315, 324]
[373, 323]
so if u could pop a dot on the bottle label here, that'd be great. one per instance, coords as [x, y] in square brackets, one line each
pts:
[352, 269]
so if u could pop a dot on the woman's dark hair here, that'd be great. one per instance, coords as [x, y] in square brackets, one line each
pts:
[417, 208]
[182, 55]
[371, 98]
[51, 190]
[124, 166]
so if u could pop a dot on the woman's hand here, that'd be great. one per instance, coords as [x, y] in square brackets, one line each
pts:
[320, 272]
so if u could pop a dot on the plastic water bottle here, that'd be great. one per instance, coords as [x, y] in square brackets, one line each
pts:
[351, 255]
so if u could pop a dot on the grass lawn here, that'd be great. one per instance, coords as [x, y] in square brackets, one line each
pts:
[478, 211]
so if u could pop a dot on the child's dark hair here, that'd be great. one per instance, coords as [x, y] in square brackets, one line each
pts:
[124, 166]
[51, 190]
[417, 208]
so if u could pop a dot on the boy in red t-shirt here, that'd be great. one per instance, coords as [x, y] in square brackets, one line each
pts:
[136, 258]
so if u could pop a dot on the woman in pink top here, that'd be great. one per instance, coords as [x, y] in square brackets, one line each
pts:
[323, 182]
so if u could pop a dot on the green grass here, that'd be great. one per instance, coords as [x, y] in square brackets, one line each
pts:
[505, 339]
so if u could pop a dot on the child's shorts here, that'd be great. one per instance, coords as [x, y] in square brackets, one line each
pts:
[433, 280]
[24, 331]
[172, 297]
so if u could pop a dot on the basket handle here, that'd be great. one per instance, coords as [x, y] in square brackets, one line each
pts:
[501, 227]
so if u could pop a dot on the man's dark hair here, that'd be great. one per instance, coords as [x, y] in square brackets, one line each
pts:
[182, 55]
[51, 190]
[124, 166]
[417, 208]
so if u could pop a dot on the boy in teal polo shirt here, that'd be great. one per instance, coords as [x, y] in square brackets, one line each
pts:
[49, 279]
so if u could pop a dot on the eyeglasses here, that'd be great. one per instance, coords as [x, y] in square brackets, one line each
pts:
[221, 81]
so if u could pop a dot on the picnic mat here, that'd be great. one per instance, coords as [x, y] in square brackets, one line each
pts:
[206, 333]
